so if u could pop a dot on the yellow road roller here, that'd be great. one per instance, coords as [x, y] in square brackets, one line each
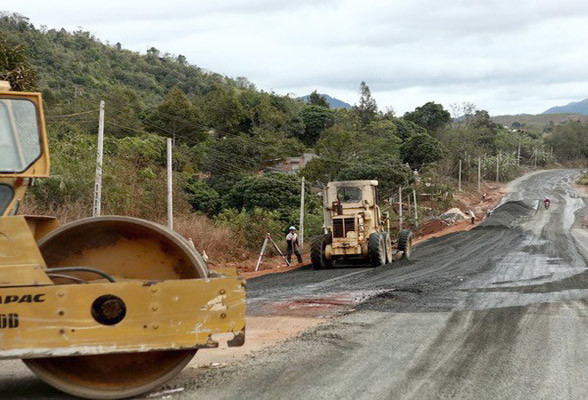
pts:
[106, 307]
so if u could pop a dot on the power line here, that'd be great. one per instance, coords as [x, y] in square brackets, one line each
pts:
[70, 115]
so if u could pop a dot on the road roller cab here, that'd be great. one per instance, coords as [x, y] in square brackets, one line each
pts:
[104, 307]
[355, 227]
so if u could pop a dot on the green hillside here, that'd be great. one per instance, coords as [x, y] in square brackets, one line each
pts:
[228, 137]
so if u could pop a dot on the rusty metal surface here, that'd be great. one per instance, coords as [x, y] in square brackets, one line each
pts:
[125, 247]
[172, 310]
[21, 263]
[41, 225]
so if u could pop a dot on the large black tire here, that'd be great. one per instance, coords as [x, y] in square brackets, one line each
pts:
[377, 250]
[405, 243]
[317, 252]
[388, 244]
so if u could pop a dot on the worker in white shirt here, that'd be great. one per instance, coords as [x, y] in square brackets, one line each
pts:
[292, 242]
[473, 217]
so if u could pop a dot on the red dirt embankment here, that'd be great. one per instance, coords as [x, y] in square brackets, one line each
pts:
[291, 318]
[465, 201]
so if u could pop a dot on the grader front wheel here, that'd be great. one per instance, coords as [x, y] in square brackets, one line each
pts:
[127, 249]
[318, 252]
[377, 250]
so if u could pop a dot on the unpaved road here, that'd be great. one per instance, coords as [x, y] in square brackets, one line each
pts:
[500, 311]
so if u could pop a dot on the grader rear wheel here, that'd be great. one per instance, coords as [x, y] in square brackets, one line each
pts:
[126, 248]
[388, 243]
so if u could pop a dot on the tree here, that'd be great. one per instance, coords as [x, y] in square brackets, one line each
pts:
[223, 110]
[123, 108]
[203, 198]
[383, 147]
[233, 155]
[318, 100]
[316, 119]
[570, 141]
[15, 66]
[337, 147]
[485, 129]
[407, 129]
[367, 107]
[274, 192]
[153, 53]
[430, 116]
[389, 174]
[420, 150]
[178, 118]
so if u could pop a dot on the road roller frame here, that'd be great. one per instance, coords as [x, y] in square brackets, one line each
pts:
[41, 319]
[63, 320]
[157, 298]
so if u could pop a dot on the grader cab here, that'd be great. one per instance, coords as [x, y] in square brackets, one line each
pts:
[106, 307]
[356, 229]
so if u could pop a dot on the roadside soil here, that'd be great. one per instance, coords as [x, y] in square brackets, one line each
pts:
[288, 319]
[467, 200]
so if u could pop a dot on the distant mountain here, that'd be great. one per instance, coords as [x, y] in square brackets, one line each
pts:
[576, 107]
[540, 120]
[333, 102]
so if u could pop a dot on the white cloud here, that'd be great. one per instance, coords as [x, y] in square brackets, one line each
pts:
[505, 56]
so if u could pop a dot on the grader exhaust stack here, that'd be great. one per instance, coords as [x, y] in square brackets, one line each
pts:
[103, 308]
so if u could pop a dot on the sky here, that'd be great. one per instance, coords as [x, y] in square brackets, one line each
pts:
[505, 56]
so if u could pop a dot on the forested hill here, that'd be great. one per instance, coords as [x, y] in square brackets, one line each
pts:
[74, 64]
[229, 136]
[333, 102]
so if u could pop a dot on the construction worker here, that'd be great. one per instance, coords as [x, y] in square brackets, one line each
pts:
[292, 242]
[472, 217]
[546, 203]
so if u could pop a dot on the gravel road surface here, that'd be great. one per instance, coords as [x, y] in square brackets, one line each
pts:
[500, 311]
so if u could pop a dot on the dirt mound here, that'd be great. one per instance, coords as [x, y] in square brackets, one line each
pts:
[455, 213]
[509, 213]
[433, 226]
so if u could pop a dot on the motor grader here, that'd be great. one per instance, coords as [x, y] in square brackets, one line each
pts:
[355, 229]
[106, 307]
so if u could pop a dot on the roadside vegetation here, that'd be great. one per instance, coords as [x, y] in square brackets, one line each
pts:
[229, 136]
[583, 179]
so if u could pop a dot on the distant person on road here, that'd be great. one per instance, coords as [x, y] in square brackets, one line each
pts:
[473, 217]
[547, 203]
[292, 242]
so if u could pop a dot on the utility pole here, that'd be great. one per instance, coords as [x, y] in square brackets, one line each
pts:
[536, 151]
[408, 210]
[459, 177]
[479, 172]
[400, 208]
[498, 167]
[97, 208]
[301, 236]
[170, 209]
[416, 210]
[519, 155]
